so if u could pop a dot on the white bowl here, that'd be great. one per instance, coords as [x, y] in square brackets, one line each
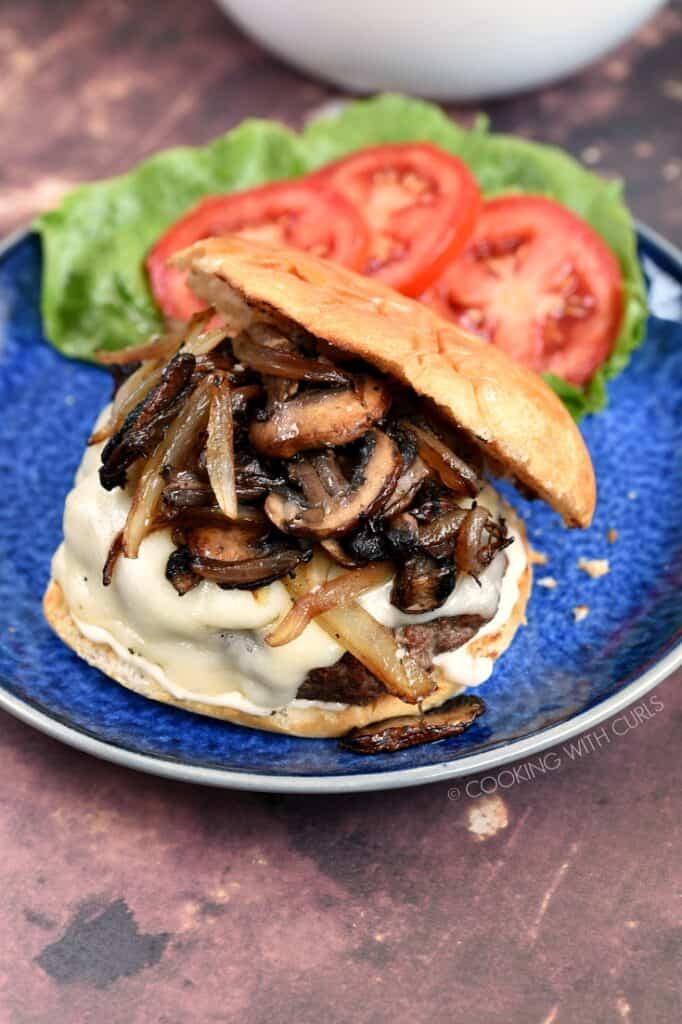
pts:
[445, 49]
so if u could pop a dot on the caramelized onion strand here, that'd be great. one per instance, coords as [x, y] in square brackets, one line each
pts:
[170, 451]
[338, 592]
[366, 639]
[131, 392]
[161, 346]
[220, 446]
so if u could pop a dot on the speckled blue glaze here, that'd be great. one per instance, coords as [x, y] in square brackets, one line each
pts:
[555, 668]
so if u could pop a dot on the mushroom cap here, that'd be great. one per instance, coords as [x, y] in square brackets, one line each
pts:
[506, 409]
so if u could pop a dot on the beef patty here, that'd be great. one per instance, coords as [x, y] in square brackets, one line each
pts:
[349, 682]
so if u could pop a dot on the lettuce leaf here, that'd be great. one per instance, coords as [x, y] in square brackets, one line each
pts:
[95, 293]
[94, 290]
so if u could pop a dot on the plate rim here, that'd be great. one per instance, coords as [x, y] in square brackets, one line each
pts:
[495, 757]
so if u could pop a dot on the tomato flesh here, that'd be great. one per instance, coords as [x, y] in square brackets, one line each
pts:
[420, 204]
[301, 214]
[539, 283]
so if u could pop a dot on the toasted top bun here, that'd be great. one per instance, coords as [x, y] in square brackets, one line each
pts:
[508, 410]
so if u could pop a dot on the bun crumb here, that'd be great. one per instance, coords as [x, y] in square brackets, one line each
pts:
[580, 612]
[538, 557]
[594, 567]
[548, 582]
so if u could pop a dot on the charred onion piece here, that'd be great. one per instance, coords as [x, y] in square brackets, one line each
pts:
[478, 541]
[453, 471]
[161, 346]
[328, 515]
[144, 426]
[274, 362]
[338, 592]
[393, 734]
[179, 571]
[220, 446]
[129, 395]
[173, 450]
[115, 551]
[319, 419]
[368, 640]
[422, 584]
[250, 573]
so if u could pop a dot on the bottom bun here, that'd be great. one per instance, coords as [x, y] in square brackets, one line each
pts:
[312, 722]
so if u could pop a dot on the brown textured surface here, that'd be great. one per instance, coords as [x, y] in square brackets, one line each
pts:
[129, 900]
[88, 87]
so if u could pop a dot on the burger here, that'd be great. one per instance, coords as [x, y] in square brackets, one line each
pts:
[285, 518]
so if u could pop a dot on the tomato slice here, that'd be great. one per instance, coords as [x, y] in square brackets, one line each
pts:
[538, 282]
[304, 214]
[420, 204]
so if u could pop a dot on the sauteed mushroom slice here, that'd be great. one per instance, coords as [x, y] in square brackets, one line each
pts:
[250, 573]
[479, 539]
[252, 480]
[393, 734]
[407, 487]
[321, 419]
[185, 489]
[232, 543]
[232, 553]
[439, 536]
[320, 514]
[212, 516]
[422, 584]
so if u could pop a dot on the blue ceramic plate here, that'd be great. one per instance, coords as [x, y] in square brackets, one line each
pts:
[557, 679]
